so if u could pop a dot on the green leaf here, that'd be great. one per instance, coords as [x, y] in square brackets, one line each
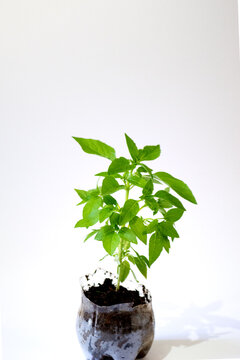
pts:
[123, 270]
[174, 215]
[137, 181]
[177, 185]
[141, 265]
[162, 194]
[131, 258]
[129, 210]
[111, 242]
[105, 212]
[82, 223]
[96, 147]
[87, 195]
[109, 200]
[155, 248]
[138, 228]
[151, 227]
[148, 188]
[127, 234]
[166, 228]
[105, 173]
[133, 150]
[90, 211]
[90, 235]
[119, 165]
[109, 185]
[104, 231]
[114, 219]
[150, 152]
[152, 204]
[82, 194]
[145, 260]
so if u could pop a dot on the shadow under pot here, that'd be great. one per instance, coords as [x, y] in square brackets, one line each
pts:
[119, 331]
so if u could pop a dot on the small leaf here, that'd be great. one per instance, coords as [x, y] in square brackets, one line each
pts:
[105, 212]
[96, 147]
[105, 173]
[174, 215]
[111, 242]
[90, 235]
[141, 265]
[177, 185]
[90, 213]
[109, 185]
[150, 152]
[148, 188]
[109, 200]
[123, 270]
[129, 210]
[152, 204]
[114, 219]
[151, 227]
[137, 181]
[133, 150]
[131, 258]
[127, 234]
[138, 228]
[162, 194]
[155, 248]
[145, 260]
[83, 194]
[119, 165]
[104, 231]
[166, 228]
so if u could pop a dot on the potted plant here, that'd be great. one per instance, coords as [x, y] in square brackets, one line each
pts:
[115, 322]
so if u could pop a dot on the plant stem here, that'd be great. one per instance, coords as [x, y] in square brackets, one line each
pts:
[121, 241]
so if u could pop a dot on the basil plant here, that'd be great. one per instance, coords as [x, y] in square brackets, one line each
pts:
[120, 226]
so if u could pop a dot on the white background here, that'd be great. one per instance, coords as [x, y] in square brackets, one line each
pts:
[163, 71]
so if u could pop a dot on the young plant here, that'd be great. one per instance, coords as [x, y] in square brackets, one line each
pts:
[121, 226]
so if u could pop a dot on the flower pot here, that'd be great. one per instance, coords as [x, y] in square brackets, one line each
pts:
[122, 331]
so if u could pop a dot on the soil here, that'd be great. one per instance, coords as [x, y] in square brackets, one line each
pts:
[105, 295]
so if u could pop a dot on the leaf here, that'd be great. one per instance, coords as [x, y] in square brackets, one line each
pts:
[131, 258]
[90, 235]
[82, 194]
[105, 212]
[114, 219]
[119, 165]
[148, 188]
[109, 185]
[151, 227]
[141, 265]
[123, 270]
[145, 260]
[105, 173]
[96, 147]
[155, 248]
[82, 223]
[162, 194]
[167, 229]
[129, 210]
[127, 234]
[152, 204]
[137, 181]
[138, 228]
[104, 231]
[174, 215]
[109, 200]
[177, 185]
[90, 211]
[133, 150]
[150, 152]
[87, 195]
[111, 242]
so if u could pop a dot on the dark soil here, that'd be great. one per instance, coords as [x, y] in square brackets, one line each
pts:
[105, 295]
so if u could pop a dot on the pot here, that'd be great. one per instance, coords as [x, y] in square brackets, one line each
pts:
[115, 332]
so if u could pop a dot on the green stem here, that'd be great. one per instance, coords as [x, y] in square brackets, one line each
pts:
[121, 242]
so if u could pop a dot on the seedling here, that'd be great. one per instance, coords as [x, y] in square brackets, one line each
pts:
[121, 225]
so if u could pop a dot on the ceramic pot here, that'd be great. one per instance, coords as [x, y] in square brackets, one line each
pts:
[115, 332]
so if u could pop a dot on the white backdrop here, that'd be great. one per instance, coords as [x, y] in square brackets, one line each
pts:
[164, 72]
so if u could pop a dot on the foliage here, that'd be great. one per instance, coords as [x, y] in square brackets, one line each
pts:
[121, 226]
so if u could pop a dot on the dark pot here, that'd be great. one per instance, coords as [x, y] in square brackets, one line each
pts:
[115, 332]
